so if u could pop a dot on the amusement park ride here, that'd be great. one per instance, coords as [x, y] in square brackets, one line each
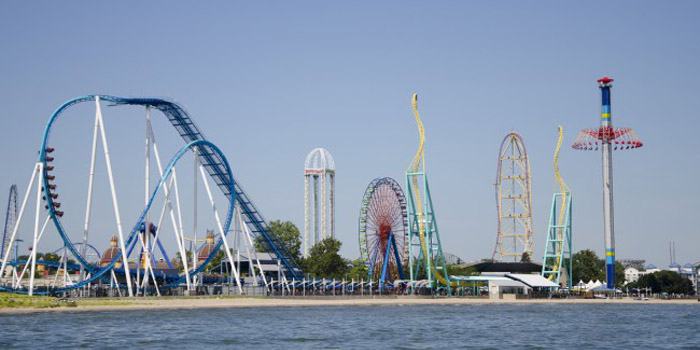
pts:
[425, 250]
[136, 273]
[513, 200]
[383, 230]
[394, 241]
[319, 164]
[557, 264]
[398, 233]
[607, 139]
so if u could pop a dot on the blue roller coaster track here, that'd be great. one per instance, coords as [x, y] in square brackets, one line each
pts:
[213, 162]
[99, 272]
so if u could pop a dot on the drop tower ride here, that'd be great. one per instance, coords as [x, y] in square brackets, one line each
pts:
[609, 139]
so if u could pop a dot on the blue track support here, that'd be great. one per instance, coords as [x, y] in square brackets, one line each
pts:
[387, 254]
[398, 259]
[212, 161]
[165, 255]
[371, 265]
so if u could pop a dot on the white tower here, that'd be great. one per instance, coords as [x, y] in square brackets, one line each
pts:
[319, 165]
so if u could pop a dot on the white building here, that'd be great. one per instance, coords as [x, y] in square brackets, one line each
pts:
[632, 274]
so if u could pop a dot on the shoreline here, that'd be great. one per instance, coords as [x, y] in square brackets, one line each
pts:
[140, 304]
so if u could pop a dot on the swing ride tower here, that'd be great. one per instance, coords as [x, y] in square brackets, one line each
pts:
[607, 139]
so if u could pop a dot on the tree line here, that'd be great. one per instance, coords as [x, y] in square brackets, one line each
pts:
[589, 267]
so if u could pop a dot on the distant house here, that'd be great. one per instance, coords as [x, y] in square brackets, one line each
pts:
[675, 267]
[632, 274]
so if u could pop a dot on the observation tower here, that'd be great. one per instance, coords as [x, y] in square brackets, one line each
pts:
[513, 200]
[319, 165]
[607, 139]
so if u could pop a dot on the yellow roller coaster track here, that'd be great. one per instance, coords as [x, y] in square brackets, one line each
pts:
[418, 165]
[564, 190]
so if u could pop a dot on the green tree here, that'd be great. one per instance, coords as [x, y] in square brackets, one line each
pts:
[359, 270]
[588, 266]
[216, 260]
[525, 257]
[288, 234]
[48, 257]
[664, 282]
[324, 260]
[457, 270]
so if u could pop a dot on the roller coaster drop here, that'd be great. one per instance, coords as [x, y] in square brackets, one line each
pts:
[557, 263]
[425, 250]
[208, 159]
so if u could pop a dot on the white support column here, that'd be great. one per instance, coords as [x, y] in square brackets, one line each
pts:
[316, 233]
[181, 228]
[241, 229]
[115, 203]
[332, 204]
[40, 168]
[178, 238]
[35, 171]
[306, 216]
[236, 238]
[31, 255]
[195, 150]
[88, 206]
[324, 201]
[255, 253]
[146, 193]
[221, 229]
[65, 267]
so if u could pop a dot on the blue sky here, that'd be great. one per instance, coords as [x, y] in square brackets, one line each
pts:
[269, 81]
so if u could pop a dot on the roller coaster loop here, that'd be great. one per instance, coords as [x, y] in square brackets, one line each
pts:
[212, 162]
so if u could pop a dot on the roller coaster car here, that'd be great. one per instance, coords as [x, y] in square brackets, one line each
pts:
[49, 149]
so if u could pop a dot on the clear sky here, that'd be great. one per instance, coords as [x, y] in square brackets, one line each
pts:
[269, 81]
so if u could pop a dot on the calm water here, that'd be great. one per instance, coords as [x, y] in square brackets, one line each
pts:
[403, 327]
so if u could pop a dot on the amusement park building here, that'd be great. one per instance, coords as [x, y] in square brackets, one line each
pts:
[489, 267]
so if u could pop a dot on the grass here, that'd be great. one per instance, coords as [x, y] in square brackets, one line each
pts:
[16, 301]
[39, 302]
[104, 302]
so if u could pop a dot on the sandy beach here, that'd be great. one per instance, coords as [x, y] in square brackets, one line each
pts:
[196, 303]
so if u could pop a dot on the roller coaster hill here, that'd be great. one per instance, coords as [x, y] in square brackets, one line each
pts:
[165, 246]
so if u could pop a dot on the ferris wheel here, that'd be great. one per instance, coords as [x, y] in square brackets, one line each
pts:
[383, 232]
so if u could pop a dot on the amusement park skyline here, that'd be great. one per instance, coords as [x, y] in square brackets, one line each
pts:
[270, 82]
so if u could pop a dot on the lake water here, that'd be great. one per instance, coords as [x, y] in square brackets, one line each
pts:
[526, 326]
